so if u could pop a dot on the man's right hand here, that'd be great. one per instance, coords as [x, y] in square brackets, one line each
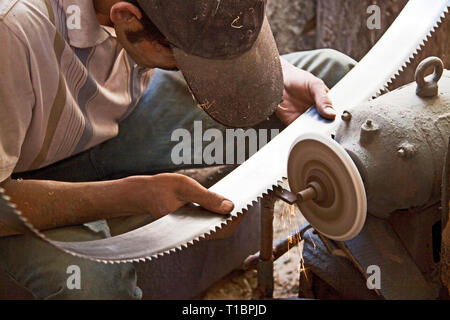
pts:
[161, 194]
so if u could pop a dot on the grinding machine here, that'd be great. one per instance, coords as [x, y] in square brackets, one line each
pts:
[387, 159]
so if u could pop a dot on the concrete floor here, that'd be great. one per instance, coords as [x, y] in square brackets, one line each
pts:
[239, 284]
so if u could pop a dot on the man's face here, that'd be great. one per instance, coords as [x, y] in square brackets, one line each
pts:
[150, 53]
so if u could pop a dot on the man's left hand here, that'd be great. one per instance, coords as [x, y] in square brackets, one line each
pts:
[301, 91]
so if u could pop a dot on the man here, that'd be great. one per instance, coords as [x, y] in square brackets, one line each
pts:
[66, 86]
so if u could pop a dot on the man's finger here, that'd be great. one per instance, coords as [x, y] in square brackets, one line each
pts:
[322, 101]
[195, 192]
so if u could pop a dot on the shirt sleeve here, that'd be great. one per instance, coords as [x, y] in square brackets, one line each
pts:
[16, 99]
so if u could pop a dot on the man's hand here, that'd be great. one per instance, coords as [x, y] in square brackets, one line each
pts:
[301, 91]
[52, 204]
[161, 194]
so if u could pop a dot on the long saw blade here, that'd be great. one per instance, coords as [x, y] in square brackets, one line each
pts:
[253, 179]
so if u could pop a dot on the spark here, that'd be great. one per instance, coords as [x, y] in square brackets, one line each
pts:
[312, 240]
[288, 212]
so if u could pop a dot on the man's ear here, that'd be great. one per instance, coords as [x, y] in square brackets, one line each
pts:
[124, 12]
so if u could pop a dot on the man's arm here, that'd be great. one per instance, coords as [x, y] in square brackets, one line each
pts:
[52, 204]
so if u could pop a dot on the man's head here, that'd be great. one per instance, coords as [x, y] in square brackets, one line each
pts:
[224, 48]
[140, 37]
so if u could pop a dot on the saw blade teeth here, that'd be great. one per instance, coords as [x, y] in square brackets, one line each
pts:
[422, 43]
[208, 233]
[179, 248]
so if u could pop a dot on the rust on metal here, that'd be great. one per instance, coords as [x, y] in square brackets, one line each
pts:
[265, 264]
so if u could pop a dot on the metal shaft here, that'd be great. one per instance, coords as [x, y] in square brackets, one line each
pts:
[307, 194]
[279, 248]
[265, 264]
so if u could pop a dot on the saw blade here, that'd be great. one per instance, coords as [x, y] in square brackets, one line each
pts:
[265, 169]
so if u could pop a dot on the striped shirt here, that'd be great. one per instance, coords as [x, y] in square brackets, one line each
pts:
[65, 84]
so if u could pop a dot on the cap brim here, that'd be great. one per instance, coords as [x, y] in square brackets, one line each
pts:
[239, 92]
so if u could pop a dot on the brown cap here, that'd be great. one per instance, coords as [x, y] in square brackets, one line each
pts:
[227, 54]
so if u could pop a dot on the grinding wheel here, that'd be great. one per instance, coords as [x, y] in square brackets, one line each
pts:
[338, 206]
